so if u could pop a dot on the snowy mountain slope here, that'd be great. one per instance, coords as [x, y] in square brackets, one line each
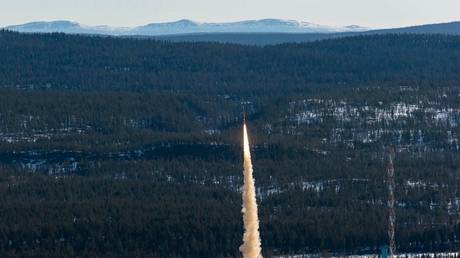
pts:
[66, 27]
[250, 26]
[186, 27]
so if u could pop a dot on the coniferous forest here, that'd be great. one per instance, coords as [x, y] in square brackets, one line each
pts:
[123, 147]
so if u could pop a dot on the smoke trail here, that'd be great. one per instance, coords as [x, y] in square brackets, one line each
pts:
[251, 239]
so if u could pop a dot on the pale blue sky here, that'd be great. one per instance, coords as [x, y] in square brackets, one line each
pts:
[370, 13]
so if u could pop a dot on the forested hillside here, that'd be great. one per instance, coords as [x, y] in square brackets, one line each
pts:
[132, 148]
[60, 61]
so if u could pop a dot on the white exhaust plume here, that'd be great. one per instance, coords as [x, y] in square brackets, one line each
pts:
[251, 247]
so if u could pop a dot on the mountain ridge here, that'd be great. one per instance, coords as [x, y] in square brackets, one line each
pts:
[449, 28]
[184, 26]
[248, 32]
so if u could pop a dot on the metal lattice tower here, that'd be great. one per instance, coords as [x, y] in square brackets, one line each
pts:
[391, 201]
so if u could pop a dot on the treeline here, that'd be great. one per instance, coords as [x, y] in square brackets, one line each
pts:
[59, 61]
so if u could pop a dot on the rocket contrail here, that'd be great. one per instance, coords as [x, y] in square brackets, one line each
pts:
[251, 239]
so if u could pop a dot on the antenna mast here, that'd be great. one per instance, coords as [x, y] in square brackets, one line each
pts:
[391, 201]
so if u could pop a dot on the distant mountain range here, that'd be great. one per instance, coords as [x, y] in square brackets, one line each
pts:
[185, 27]
[252, 32]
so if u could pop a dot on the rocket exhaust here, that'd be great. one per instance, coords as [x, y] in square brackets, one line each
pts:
[251, 247]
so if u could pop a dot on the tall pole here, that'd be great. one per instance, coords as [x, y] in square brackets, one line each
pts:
[391, 201]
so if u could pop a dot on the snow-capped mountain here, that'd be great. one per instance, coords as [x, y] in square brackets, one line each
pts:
[250, 26]
[66, 27]
[186, 27]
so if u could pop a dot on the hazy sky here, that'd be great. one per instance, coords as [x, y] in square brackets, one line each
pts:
[370, 13]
